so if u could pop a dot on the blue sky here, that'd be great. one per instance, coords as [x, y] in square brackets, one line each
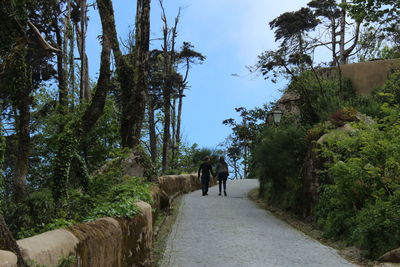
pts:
[231, 33]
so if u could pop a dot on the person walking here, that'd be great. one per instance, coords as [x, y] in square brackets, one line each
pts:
[222, 173]
[206, 172]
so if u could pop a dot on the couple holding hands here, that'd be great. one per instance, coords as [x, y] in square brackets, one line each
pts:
[206, 171]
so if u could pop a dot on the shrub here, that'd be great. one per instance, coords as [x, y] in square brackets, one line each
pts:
[378, 226]
[318, 130]
[319, 97]
[278, 159]
[119, 200]
[343, 116]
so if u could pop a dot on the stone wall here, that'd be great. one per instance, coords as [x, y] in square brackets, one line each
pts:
[106, 241]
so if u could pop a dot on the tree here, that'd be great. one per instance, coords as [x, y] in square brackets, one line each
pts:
[238, 145]
[187, 56]
[142, 44]
[130, 75]
[168, 48]
[24, 63]
[330, 11]
[80, 20]
[290, 28]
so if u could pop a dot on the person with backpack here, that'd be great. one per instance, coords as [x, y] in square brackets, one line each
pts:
[222, 174]
[205, 170]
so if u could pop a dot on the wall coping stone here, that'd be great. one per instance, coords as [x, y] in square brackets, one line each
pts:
[8, 259]
[47, 248]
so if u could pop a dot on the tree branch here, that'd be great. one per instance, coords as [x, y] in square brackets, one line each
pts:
[42, 41]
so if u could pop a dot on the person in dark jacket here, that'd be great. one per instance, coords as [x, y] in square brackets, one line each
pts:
[222, 174]
[206, 171]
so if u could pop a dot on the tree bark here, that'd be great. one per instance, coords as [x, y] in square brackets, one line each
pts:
[62, 85]
[71, 59]
[125, 72]
[21, 167]
[180, 106]
[169, 61]
[167, 133]
[85, 93]
[152, 130]
[334, 43]
[342, 34]
[96, 108]
[65, 154]
[179, 120]
[22, 105]
[142, 37]
[7, 242]
[133, 79]
[173, 128]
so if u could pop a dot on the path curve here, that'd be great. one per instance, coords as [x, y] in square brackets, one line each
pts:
[232, 231]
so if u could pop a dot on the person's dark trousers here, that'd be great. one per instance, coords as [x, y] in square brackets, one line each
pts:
[205, 180]
[222, 177]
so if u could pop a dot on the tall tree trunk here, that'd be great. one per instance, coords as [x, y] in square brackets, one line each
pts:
[66, 153]
[169, 61]
[7, 242]
[125, 72]
[142, 43]
[22, 127]
[179, 120]
[22, 119]
[133, 80]
[167, 126]
[62, 85]
[152, 130]
[96, 108]
[71, 59]
[173, 128]
[342, 34]
[334, 43]
[180, 106]
[84, 75]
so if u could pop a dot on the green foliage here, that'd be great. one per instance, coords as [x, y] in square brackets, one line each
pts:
[35, 211]
[191, 157]
[318, 130]
[119, 201]
[109, 193]
[319, 98]
[69, 261]
[67, 145]
[359, 198]
[278, 160]
[378, 226]
[367, 105]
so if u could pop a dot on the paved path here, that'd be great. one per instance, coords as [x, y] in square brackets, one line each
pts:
[232, 231]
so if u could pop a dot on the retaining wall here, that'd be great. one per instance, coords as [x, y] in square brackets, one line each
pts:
[364, 76]
[106, 241]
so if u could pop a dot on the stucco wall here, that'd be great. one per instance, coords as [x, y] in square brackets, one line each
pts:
[106, 241]
[364, 76]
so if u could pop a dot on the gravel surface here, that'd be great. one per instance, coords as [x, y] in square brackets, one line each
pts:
[232, 231]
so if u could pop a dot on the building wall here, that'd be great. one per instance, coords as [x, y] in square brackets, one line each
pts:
[365, 76]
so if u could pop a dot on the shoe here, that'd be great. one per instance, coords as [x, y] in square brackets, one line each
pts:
[219, 194]
[206, 194]
[225, 193]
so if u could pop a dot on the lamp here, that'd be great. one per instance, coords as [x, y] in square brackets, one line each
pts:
[277, 115]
